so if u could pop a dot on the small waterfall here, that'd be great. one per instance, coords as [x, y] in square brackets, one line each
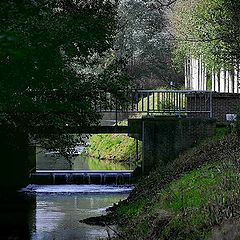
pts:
[82, 177]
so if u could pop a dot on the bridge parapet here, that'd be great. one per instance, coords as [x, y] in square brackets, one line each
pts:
[163, 102]
[181, 103]
[222, 104]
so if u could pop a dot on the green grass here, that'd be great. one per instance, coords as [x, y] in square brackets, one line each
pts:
[161, 104]
[187, 198]
[131, 210]
[96, 164]
[220, 132]
[191, 190]
[114, 147]
[197, 197]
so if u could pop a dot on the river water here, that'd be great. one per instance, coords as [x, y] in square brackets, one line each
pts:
[52, 212]
[53, 161]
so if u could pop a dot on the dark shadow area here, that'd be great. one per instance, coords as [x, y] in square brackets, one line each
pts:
[16, 219]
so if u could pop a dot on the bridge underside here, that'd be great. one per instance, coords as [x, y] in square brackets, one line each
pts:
[81, 130]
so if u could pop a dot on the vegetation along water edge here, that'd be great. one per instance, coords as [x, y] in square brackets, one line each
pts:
[118, 148]
[194, 197]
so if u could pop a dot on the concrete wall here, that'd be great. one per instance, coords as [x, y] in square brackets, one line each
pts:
[15, 159]
[165, 138]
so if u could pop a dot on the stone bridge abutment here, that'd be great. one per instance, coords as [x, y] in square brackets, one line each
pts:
[164, 138]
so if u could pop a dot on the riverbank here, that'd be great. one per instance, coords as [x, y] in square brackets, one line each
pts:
[197, 196]
[118, 148]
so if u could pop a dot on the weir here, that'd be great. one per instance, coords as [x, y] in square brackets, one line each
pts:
[117, 177]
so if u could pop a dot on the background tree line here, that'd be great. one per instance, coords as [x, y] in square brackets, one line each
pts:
[208, 29]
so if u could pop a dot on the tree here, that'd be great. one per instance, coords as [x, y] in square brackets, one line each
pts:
[143, 39]
[55, 58]
[209, 30]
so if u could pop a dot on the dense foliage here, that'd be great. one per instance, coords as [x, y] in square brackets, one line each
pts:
[55, 58]
[143, 39]
[208, 30]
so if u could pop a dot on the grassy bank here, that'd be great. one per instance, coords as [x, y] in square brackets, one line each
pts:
[197, 196]
[113, 147]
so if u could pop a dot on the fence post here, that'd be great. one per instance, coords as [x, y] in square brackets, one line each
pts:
[148, 104]
[116, 113]
[211, 104]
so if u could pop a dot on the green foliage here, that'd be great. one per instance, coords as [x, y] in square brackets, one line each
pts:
[209, 84]
[55, 58]
[143, 40]
[208, 30]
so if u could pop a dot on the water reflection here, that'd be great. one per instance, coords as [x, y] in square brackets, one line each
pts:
[57, 217]
[52, 161]
[48, 214]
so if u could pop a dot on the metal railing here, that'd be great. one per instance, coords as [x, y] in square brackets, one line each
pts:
[159, 102]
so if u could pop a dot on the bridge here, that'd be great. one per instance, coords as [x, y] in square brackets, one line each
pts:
[166, 121]
[140, 103]
[160, 102]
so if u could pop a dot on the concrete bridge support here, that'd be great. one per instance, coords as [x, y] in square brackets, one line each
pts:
[164, 138]
[17, 158]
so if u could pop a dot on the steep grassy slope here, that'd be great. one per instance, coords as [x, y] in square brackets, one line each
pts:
[114, 147]
[197, 196]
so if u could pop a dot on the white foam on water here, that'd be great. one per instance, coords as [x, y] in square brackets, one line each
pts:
[72, 188]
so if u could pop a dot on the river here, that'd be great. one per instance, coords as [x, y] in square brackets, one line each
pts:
[53, 161]
[52, 212]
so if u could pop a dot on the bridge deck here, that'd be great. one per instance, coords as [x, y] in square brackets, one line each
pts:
[80, 129]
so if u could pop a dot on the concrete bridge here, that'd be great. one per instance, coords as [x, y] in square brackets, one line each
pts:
[167, 122]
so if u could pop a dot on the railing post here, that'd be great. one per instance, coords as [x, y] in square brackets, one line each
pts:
[167, 102]
[136, 99]
[148, 104]
[116, 113]
[211, 104]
